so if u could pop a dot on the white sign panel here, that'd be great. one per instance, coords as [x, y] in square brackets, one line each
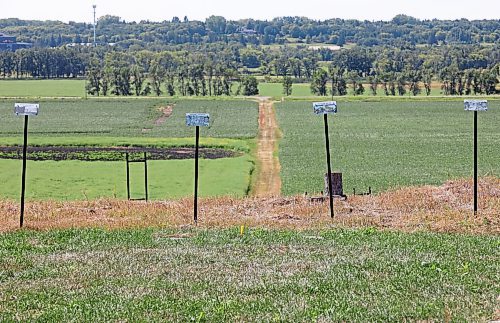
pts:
[325, 107]
[476, 105]
[197, 119]
[26, 109]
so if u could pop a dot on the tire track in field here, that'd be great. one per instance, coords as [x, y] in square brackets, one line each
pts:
[268, 181]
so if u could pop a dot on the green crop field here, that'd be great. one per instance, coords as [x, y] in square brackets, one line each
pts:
[132, 118]
[129, 122]
[218, 275]
[385, 144]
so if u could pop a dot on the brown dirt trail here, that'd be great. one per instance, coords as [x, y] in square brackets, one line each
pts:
[268, 181]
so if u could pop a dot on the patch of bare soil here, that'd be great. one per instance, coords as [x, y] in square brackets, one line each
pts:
[166, 113]
[268, 182]
[447, 208]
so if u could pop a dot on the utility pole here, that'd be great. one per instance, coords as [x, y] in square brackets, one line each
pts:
[94, 6]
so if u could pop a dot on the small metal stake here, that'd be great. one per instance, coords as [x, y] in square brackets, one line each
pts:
[128, 176]
[145, 161]
[146, 176]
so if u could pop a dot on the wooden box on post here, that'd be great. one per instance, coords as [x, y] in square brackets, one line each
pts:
[337, 185]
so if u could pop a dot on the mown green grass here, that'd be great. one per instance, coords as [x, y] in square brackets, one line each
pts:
[299, 90]
[75, 88]
[219, 276]
[385, 144]
[275, 90]
[78, 180]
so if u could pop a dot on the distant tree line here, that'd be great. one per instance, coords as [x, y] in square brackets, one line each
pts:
[220, 69]
[170, 73]
[159, 35]
[43, 63]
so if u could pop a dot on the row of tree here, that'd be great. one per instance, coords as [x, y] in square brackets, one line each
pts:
[183, 74]
[155, 35]
[43, 63]
[336, 82]
[214, 71]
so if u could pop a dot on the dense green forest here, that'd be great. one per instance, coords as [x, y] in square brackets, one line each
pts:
[182, 57]
[159, 35]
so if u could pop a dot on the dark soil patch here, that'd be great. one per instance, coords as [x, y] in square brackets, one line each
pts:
[60, 153]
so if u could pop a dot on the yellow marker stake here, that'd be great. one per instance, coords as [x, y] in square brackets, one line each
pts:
[242, 230]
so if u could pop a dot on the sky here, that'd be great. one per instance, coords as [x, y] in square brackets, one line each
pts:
[159, 10]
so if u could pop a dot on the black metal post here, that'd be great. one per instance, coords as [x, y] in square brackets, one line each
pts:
[146, 176]
[475, 162]
[23, 181]
[128, 176]
[328, 162]
[196, 175]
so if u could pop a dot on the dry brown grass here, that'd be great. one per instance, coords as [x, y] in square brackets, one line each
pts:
[447, 208]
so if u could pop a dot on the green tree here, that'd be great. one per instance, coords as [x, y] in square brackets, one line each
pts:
[373, 84]
[250, 86]
[94, 75]
[427, 79]
[137, 80]
[287, 85]
[319, 81]
[156, 74]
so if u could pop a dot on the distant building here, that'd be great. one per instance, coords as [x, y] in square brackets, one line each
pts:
[246, 31]
[10, 43]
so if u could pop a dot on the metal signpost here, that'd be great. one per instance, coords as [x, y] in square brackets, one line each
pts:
[475, 105]
[197, 120]
[326, 108]
[26, 110]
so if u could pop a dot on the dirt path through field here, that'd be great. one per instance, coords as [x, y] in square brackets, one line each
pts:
[268, 181]
[166, 113]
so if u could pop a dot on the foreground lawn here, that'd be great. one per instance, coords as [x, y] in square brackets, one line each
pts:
[80, 180]
[218, 275]
[385, 144]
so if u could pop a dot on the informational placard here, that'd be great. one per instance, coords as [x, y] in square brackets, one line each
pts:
[329, 107]
[476, 105]
[26, 109]
[197, 119]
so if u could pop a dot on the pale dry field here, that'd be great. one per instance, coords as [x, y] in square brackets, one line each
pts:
[447, 208]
